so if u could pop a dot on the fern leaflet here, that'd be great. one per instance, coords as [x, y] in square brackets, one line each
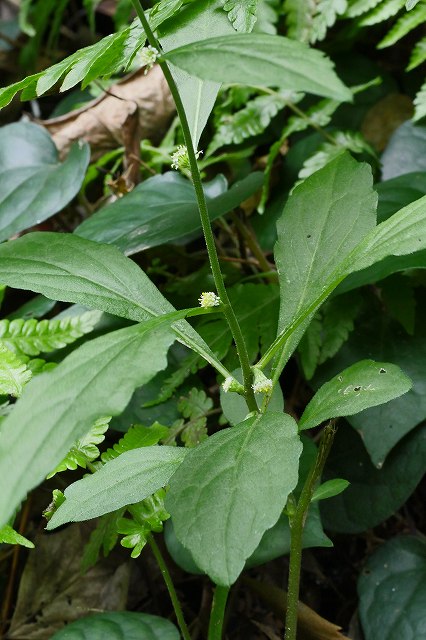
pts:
[418, 54]
[382, 12]
[404, 25]
[137, 436]
[299, 15]
[325, 16]
[242, 14]
[358, 7]
[14, 373]
[420, 103]
[32, 337]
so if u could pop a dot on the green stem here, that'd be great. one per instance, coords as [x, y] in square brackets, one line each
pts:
[297, 524]
[217, 615]
[170, 587]
[204, 215]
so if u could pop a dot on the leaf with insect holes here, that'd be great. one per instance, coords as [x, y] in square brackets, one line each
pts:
[363, 385]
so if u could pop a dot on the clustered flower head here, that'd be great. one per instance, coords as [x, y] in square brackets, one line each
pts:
[209, 299]
[148, 57]
[230, 384]
[261, 384]
[180, 158]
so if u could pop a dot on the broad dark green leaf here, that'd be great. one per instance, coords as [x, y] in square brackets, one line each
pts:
[115, 625]
[58, 407]
[373, 495]
[318, 227]
[197, 21]
[162, 210]
[33, 183]
[231, 489]
[408, 142]
[261, 60]
[392, 591]
[361, 386]
[276, 541]
[130, 478]
[72, 269]
[383, 339]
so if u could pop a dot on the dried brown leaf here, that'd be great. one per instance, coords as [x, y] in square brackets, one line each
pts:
[54, 592]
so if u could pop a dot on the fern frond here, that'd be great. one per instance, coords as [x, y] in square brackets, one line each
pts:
[14, 373]
[358, 7]
[242, 14]
[299, 15]
[406, 23]
[248, 122]
[420, 103]
[85, 449]
[325, 16]
[136, 437]
[32, 337]
[381, 13]
[418, 54]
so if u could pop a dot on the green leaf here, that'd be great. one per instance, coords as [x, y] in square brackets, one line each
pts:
[392, 590]
[71, 269]
[410, 4]
[84, 450]
[420, 103]
[59, 407]
[147, 516]
[233, 487]
[126, 625]
[418, 56]
[14, 373]
[299, 15]
[33, 183]
[241, 13]
[373, 494]
[406, 23]
[358, 7]
[261, 60]
[104, 537]
[104, 58]
[319, 226]
[198, 20]
[30, 337]
[250, 121]
[408, 140]
[384, 340]
[162, 210]
[130, 478]
[137, 436]
[326, 14]
[165, 9]
[329, 489]
[10, 536]
[363, 385]
[383, 12]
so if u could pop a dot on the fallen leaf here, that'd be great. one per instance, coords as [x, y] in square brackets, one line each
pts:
[54, 592]
[137, 107]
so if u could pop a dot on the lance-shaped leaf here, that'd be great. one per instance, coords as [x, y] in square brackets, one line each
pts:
[232, 488]
[72, 269]
[130, 478]
[319, 226]
[33, 183]
[163, 209]
[363, 385]
[261, 60]
[197, 21]
[59, 407]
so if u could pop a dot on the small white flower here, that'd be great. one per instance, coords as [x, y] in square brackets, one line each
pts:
[261, 383]
[148, 56]
[231, 384]
[180, 158]
[209, 299]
